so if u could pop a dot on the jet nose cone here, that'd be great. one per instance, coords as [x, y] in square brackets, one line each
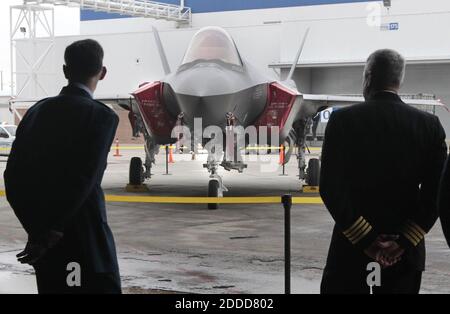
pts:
[205, 80]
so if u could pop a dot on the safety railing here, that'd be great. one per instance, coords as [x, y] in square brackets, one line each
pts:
[137, 8]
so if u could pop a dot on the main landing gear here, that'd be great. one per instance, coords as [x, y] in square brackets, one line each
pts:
[139, 171]
[311, 174]
[136, 171]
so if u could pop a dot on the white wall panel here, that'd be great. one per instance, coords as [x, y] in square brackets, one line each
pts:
[338, 32]
[419, 37]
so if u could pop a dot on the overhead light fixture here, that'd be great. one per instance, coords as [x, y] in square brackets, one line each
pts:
[271, 22]
[387, 3]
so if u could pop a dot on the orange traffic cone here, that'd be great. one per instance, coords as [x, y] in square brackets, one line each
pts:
[281, 162]
[171, 155]
[117, 153]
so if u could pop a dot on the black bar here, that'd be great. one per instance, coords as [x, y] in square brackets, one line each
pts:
[287, 204]
[167, 159]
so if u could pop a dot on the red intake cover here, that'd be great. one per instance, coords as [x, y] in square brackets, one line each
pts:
[155, 115]
[280, 101]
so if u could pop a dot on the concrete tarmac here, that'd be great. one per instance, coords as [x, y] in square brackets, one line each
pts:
[188, 248]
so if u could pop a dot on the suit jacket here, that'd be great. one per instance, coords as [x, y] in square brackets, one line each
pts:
[444, 201]
[54, 173]
[381, 164]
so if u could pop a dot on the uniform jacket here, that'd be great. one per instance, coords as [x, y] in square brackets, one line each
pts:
[54, 173]
[381, 164]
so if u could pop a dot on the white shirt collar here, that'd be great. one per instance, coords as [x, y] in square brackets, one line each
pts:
[390, 91]
[83, 87]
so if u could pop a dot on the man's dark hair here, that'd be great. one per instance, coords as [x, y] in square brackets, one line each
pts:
[84, 59]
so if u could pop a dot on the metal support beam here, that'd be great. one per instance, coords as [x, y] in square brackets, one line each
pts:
[32, 38]
[137, 8]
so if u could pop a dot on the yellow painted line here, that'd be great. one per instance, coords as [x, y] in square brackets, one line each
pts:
[261, 148]
[311, 189]
[206, 200]
[307, 200]
[139, 147]
[173, 147]
[128, 147]
[278, 148]
[164, 146]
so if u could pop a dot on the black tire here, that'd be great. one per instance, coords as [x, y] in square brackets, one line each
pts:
[136, 171]
[213, 191]
[313, 172]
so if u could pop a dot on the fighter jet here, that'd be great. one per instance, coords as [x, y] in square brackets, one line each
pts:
[216, 84]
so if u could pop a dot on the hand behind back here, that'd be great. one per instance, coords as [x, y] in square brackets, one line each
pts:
[385, 250]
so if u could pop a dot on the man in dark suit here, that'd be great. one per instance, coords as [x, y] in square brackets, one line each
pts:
[381, 164]
[53, 181]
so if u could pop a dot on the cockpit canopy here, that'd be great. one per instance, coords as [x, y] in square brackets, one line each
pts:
[212, 43]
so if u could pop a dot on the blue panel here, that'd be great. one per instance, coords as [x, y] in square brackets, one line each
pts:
[204, 6]
[89, 15]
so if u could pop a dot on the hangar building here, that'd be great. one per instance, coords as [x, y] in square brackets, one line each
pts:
[267, 34]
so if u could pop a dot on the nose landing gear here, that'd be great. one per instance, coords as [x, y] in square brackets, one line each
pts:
[215, 189]
[215, 185]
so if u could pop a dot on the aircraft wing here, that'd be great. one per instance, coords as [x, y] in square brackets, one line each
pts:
[111, 100]
[320, 102]
[102, 98]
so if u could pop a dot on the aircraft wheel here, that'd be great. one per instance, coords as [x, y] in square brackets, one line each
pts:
[213, 191]
[136, 171]
[313, 172]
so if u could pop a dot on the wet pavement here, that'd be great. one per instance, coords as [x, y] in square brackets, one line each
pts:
[188, 248]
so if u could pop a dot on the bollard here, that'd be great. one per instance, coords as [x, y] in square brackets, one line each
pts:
[171, 155]
[167, 159]
[117, 153]
[281, 162]
[287, 204]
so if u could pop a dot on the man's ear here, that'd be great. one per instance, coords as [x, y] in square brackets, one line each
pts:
[367, 84]
[65, 71]
[103, 73]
